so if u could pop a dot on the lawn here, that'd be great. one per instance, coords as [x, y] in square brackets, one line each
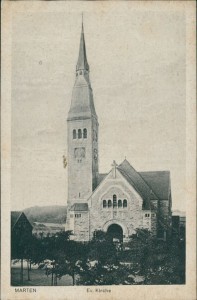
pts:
[38, 278]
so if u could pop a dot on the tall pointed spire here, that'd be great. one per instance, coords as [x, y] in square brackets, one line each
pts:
[82, 63]
[82, 104]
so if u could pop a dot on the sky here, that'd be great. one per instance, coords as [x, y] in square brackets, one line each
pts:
[137, 72]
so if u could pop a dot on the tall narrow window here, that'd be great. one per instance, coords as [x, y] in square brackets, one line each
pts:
[119, 203]
[74, 134]
[114, 201]
[85, 133]
[109, 203]
[124, 203]
[79, 134]
[104, 203]
[77, 215]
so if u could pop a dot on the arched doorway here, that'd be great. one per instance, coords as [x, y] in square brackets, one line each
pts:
[115, 233]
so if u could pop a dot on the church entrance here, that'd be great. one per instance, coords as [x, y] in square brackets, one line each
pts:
[115, 233]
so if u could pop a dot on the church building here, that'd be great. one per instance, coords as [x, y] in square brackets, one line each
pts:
[119, 201]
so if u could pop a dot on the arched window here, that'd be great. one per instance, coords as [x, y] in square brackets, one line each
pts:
[85, 133]
[119, 203]
[109, 203]
[74, 134]
[104, 203]
[124, 203]
[114, 201]
[79, 134]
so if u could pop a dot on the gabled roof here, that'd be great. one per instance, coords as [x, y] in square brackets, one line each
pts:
[150, 185]
[159, 182]
[100, 178]
[15, 216]
[79, 207]
[136, 180]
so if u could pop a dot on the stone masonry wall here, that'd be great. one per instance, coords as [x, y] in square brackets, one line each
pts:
[79, 162]
[129, 218]
[81, 225]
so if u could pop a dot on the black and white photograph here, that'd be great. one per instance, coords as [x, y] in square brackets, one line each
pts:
[97, 157]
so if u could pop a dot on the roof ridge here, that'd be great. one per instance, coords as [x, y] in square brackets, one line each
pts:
[139, 175]
[146, 202]
[19, 214]
[132, 182]
[18, 217]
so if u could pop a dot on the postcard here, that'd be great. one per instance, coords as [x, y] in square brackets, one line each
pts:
[98, 150]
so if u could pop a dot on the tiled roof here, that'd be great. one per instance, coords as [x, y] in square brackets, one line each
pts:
[159, 182]
[136, 180]
[79, 207]
[100, 178]
[150, 185]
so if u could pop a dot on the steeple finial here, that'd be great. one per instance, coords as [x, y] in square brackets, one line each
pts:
[82, 63]
[82, 30]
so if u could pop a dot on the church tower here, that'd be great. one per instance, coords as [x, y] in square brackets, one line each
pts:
[82, 124]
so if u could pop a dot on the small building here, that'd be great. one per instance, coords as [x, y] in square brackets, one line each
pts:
[20, 225]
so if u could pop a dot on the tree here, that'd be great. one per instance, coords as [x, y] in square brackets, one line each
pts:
[102, 249]
[72, 259]
[21, 249]
[160, 262]
[53, 248]
[103, 266]
[64, 254]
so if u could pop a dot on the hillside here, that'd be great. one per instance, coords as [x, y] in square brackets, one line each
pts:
[46, 214]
